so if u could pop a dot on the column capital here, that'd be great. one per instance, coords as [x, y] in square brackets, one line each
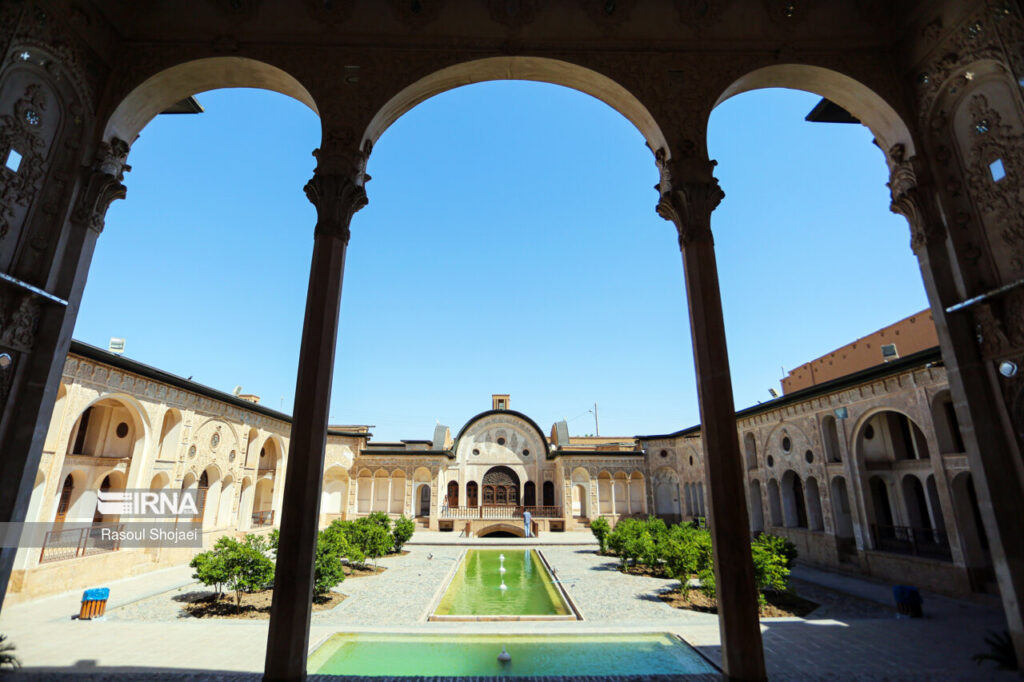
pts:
[337, 190]
[908, 187]
[688, 193]
[101, 184]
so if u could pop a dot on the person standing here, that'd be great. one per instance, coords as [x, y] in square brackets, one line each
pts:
[527, 519]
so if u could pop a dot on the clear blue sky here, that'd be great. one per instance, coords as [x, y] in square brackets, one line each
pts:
[510, 246]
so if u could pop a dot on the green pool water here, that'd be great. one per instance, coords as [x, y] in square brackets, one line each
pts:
[476, 588]
[469, 655]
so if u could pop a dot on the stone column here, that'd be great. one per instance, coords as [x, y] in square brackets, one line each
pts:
[962, 336]
[689, 193]
[337, 192]
[39, 332]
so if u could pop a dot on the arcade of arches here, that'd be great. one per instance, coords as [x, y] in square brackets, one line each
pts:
[936, 81]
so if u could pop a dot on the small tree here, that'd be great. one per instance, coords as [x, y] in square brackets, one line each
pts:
[600, 528]
[378, 518]
[327, 567]
[376, 541]
[404, 528]
[210, 569]
[248, 568]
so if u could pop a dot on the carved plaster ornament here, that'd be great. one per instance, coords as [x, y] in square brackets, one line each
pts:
[788, 13]
[416, 13]
[330, 12]
[992, 142]
[337, 189]
[907, 199]
[101, 184]
[608, 13]
[20, 132]
[513, 13]
[689, 193]
[700, 14]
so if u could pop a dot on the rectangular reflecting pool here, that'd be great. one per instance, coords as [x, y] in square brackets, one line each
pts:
[531, 655]
[476, 593]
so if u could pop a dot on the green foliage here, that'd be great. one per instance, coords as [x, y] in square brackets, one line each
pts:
[328, 568]
[771, 566]
[600, 528]
[685, 550]
[379, 518]
[249, 569]
[707, 581]
[8, 660]
[1000, 651]
[374, 540]
[210, 569]
[779, 546]
[402, 532]
[239, 566]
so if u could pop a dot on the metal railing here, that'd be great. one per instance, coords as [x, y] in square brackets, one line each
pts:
[501, 512]
[72, 543]
[263, 518]
[923, 542]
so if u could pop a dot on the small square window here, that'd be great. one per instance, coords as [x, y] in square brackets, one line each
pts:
[13, 161]
[997, 170]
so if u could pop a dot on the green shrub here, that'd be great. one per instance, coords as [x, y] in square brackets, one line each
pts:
[770, 569]
[210, 569]
[328, 568]
[379, 518]
[684, 550]
[404, 528]
[372, 539]
[344, 535]
[600, 528]
[239, 566]
[707, 581]
[779, 546]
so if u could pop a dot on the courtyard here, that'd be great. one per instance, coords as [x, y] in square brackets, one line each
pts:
[854, 634]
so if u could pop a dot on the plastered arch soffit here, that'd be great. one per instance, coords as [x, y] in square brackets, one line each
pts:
[857, 98]
[160, 90]
[522, 68]
[134, 407]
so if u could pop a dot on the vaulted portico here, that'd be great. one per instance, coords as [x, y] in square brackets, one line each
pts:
[937, 83]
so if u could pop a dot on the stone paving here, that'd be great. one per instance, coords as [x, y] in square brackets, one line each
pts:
[859, 639]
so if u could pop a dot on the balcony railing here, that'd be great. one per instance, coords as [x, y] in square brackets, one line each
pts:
[923, 542]
[262, 519]
[72, 543]
[501, 512]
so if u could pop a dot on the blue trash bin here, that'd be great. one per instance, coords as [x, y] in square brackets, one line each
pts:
[94, 603]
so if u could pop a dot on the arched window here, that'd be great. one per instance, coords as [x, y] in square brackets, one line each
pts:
[750, 449]
[529, 494]
[774, 503]
[841, 513]
[453, 494]
[472, 491]
[815, 520]
[947, 426]
[756, 512]
[880, 501]
[830, 436]
[549, 494]
[64, 503]
[793, 505]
